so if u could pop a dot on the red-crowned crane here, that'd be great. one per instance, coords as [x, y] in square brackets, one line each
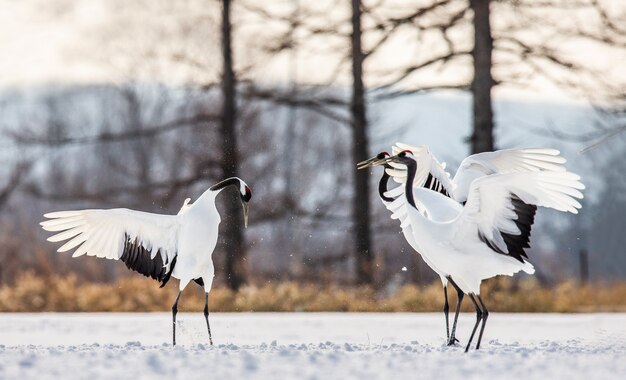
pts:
[431, 174]
[487, 235]
[157, 246]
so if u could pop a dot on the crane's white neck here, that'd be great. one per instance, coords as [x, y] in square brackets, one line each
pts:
[210, 194]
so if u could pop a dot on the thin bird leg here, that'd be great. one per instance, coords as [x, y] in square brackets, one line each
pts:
[459, 295]
[446, 309]
[174, 311]
[479, 316]
[206, 316]
[485, 316]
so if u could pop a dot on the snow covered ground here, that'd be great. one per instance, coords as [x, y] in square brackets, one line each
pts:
[309, 346]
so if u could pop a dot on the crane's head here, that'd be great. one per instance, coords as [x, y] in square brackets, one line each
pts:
[244, 193]
[404, 157]
[374, 161]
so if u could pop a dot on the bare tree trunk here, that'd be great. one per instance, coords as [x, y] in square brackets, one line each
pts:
[482, 136]
[231, 230]
[142, 150]
[288, 237]
[360, 208]
[19, 173]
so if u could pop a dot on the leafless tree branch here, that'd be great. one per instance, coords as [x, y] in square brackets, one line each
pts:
[20, 171]
[107, 137]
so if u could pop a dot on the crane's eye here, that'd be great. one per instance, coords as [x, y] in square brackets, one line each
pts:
[402, 154]
[382, 155]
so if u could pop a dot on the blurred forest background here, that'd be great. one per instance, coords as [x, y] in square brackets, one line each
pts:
[109, 103]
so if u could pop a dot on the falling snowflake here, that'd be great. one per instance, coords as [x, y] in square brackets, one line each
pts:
[404, 269]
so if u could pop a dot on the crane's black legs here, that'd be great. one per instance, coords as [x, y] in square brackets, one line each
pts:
[459, 293]
[479, 317]
[206, 316]
[174, 311]
[446, 310]
[485, 316]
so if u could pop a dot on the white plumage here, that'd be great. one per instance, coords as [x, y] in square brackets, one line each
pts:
[487, 236]
[103, 233]
[433, 205]
[463, 243]
[157, 246]
[475, 166]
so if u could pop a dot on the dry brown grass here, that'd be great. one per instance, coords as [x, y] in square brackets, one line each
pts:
[32, 293]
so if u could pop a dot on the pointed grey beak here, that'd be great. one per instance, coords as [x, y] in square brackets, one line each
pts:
[245, 214]
[374, 161]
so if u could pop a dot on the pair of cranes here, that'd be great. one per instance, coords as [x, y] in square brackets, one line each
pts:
[467, 229]
[476, 225]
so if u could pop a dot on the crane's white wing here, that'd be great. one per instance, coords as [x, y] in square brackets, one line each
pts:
[501, 208]
[504, 161]
[147, 243]
[430, 173]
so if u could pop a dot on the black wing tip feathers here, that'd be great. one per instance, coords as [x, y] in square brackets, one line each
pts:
[138, 258]
[516, 243]
[434, 184]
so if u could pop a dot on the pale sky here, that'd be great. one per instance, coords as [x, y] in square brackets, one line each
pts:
[95, 41]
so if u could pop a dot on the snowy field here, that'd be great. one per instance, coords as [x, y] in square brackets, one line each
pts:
[309, 346]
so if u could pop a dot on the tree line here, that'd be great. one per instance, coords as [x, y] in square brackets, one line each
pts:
[474, 46]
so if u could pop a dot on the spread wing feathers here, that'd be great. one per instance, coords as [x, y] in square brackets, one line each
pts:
[399, 211]
[514, 160]
[430, 173]
[398, 206]
[504, 161]
[501, 207]
[145, 242]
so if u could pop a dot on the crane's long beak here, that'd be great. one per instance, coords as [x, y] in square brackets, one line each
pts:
[245, 213]
[374, 161]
